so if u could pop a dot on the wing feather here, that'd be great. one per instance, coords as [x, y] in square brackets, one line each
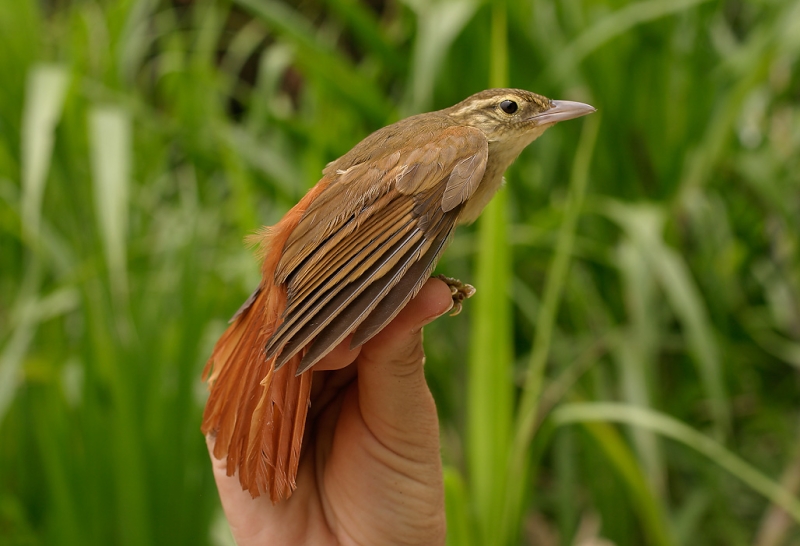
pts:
[339, 249]
[402, 292]
[307, 319]
[338, 298]
[358, 309]
[366, 245]
[465, 178]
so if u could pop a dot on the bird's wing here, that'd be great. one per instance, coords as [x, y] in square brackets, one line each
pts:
[369, 241]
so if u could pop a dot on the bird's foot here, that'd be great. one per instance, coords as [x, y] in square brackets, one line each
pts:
[459, 290]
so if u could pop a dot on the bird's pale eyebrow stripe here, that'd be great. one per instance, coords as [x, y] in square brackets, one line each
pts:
[472, 106]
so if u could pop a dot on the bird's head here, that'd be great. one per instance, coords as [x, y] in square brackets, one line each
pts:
[514, 117]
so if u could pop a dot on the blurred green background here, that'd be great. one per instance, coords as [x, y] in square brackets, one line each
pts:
[627, 373]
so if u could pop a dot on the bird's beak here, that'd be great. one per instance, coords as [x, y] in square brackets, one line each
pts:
[562, 110]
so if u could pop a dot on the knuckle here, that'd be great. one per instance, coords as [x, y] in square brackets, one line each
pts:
[411, 355]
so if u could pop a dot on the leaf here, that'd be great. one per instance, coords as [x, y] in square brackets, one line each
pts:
[680, 432]
[110, 154]
[457, 507]
[45, 92]
[439, 24]
[643, 225]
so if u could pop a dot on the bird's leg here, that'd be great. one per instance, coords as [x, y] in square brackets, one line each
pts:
[459, 290]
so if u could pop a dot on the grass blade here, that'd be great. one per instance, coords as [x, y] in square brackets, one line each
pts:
[12, 355]
[611, 26]
[44, 99]
[440, 23]
[671, 428]
[644, 226]
[643, 498]
[110, 154]
[455, 501]
[490, 389]
[635, 352]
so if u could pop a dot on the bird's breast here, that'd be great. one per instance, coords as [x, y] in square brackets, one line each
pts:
[500, 157]
[477, 202]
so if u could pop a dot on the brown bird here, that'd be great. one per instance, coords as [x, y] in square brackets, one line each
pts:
[347, 258]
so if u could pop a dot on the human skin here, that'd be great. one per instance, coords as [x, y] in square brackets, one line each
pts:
[371, 471]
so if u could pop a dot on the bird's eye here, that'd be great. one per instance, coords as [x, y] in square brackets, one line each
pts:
[508, 106]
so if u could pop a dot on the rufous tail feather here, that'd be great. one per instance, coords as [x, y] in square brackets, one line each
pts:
[258, 414]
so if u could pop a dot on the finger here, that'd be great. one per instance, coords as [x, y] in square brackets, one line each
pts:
[331, 377]
[423, 309]
[258, 521]
[394, 397]
[245, 514]
[340, 357]
[393, 443]
[417, 313]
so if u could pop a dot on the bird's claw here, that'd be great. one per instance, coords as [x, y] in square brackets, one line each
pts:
[459, 290]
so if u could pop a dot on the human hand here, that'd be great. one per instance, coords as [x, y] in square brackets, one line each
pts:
[370, 472]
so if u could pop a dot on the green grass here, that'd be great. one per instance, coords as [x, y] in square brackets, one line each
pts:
[628, 368]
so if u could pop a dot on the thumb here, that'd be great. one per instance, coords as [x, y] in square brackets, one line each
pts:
[394, 398]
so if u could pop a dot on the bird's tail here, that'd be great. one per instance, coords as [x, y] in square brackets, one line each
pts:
[258, 414]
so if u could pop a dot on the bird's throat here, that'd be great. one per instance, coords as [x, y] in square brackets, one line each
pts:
[501, 156]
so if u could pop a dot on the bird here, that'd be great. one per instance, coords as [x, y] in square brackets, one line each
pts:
[346, 259]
